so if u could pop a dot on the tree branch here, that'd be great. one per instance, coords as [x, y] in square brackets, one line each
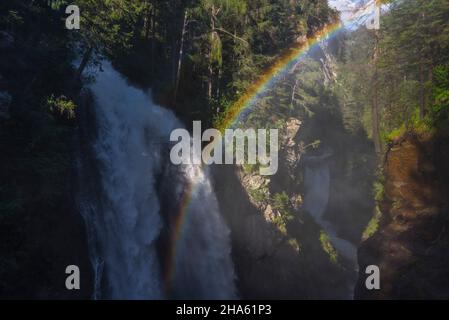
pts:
[230, 34]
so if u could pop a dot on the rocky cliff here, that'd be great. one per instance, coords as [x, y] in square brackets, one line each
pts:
[278, 249]
[411, 244]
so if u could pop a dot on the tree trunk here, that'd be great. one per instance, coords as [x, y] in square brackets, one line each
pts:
[422, 90]
[218, 89]
[173, 60]
[375, 102]
[153, 39]
[422, 102]
[86, 57]
[210, 67]
[180, 56]
[147, 20]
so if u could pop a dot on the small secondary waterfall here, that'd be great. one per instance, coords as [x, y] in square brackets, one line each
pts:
[144, 199]
[317, 173]
[317, 184]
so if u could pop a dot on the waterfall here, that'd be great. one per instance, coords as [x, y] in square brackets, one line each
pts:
[140, 200]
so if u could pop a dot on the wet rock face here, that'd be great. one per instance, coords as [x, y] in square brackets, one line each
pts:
[412, 242]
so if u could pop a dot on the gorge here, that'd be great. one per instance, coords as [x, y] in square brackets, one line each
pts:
[337, 161]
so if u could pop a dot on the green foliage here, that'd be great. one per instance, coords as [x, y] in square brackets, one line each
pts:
[379, 195]
[408, 80]
[439, 112]
[235, 40]
[379, 191]
[260, 195]
[280, 224]
[294, 244]
[327, 246]
[250, 168]
[413, 123]
[216, 49]
[61, 107]
[414, 39]
[354, 88]
[391, 136]
[281, 204]
[226, 44]
[373, 224]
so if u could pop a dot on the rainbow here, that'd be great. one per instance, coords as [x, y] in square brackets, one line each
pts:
[282, 64]
[175, 235]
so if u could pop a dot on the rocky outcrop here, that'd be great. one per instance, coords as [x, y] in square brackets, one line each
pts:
[276, 246]
[411, 244]
[260, 188]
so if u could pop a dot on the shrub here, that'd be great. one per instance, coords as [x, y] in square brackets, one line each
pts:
[280, 224]
[373, 224]
[389, 137]
[379, 191]
[294, 244]
[328, 247]
[62, 107]
[259, 195]
[281, 201]
[439, 111]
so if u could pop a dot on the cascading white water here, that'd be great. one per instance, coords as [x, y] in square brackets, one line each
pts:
[131, 144]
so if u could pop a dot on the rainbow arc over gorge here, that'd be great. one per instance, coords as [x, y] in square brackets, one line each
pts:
[268, 78]
[234, 114]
